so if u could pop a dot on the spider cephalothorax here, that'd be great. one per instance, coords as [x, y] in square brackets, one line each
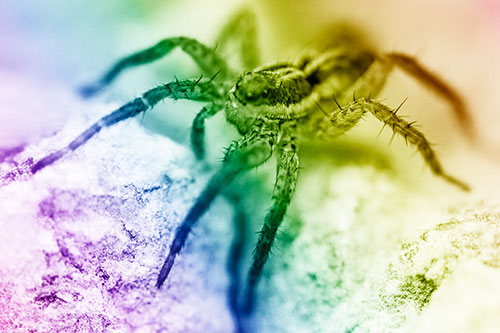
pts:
[272, 107]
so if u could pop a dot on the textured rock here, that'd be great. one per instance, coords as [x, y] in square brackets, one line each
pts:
[449, 269]
[83, 240]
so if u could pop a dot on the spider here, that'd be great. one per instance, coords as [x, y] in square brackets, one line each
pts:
[321, 95]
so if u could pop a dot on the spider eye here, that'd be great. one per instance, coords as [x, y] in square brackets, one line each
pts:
[253, 88]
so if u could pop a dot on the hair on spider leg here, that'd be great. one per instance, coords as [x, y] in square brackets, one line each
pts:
[337, 102]
[215, 75]
[392, 137]
[400, 105]
[199, 79]
[321, 108]
[380, 132]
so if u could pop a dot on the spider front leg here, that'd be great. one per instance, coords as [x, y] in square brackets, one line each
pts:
[187, 89]
[252, 150]
[284, 187]
[206, 58]
[411, 135]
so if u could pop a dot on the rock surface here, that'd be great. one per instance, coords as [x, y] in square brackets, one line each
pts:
[83, 239]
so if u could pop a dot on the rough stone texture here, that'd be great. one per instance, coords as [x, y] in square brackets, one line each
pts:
[83, 240]
[450, 268]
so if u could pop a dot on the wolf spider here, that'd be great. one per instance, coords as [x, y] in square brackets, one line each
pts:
[272, 107]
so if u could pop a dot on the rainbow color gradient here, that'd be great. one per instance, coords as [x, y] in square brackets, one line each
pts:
[372, 242]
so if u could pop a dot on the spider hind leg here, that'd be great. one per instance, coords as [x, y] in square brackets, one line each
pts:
[423, 75]
[240, 221]
[241, 30]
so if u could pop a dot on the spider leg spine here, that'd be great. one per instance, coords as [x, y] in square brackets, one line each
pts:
[383, 126]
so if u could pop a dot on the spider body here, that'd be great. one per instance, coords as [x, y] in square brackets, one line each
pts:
[272, 108]
[289, 91]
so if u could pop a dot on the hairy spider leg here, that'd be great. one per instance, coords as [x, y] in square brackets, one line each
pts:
[250, 151]
[242, 29]
[198, 128]
[187, 89]
[411, 135]
[423, 75]
[207, 59]
[341, 119]
[284, 187]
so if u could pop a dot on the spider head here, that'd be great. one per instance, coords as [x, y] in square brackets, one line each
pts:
[255, 88]
[268, 92]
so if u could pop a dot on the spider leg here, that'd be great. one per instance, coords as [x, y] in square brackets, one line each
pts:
[411, 135]
[198, 129]
[423, 75]
[187, 89]
[286, 179]
[241, 29]
[236, 253]
[250, 151]
[206, 58]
